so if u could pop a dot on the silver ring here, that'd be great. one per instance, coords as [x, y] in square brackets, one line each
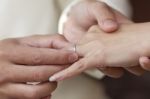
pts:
[75, 48]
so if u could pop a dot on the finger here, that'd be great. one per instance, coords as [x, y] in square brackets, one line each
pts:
[112, 72]
[106, 19]
[32, 73]
[137, 70]
[46, 41]
[145, 63]
[75, 69]
[38, 56]
[24, 91]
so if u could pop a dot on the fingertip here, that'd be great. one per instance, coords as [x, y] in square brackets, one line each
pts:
[109, 25]
[71, 71]
[145, 63]
[57, 77]
[52, 78]
[73, 57]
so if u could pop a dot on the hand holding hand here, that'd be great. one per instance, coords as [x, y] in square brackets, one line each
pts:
[99, 49]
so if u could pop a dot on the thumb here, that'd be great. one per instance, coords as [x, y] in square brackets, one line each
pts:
[106, 19]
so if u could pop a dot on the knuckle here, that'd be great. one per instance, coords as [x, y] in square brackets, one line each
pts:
[3, 54]
[37, 59]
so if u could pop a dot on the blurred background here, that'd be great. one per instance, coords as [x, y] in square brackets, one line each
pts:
[130, 86]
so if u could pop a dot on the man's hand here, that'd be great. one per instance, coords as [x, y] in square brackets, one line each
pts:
[88, 13]
[31, 59]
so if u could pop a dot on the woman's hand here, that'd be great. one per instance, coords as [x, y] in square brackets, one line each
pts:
[95, 12]
[31, 59]
[121, 49]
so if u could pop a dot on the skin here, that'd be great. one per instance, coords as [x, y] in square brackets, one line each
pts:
[32, 59]
[121, 49]
[40, 51]
[108, 19]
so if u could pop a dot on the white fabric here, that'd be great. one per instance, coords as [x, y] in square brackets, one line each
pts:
[28, 17]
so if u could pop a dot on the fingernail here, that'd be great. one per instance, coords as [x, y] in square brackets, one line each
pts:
[56, 77]
[110, 23]
[73, 57]
[52, 79]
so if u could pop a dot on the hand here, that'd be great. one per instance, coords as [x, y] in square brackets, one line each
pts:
[88, 13]
[95, 12]
[99, 49]
[31, 59]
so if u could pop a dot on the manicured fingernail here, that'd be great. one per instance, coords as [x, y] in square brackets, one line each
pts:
[73, 57]
[56, 77]
[52, 79]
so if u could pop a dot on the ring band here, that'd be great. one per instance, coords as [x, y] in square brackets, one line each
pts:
[75, 48]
